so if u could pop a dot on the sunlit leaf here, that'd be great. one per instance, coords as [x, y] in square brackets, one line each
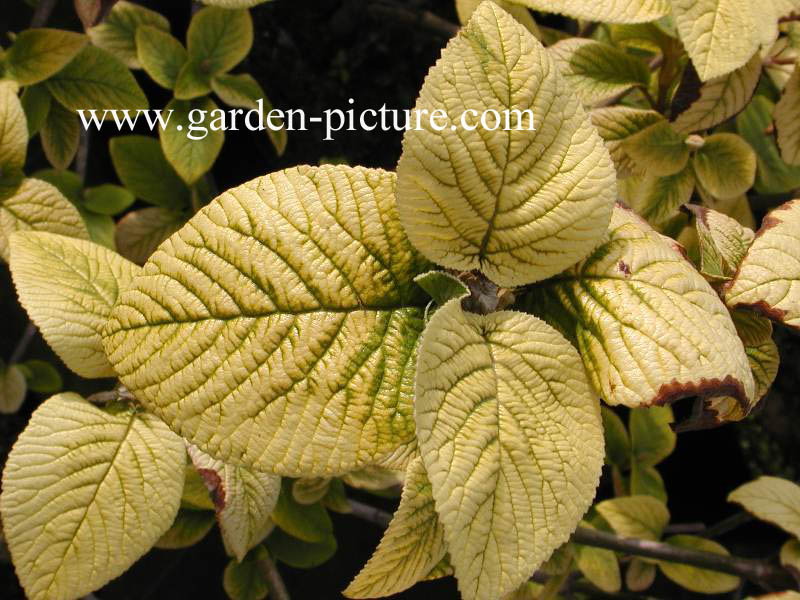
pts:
[702, 581]
[771, 499]
[117, 32]
[632, 11]
[723, 242]
[641, 517]
[219, 38]
[37, 54]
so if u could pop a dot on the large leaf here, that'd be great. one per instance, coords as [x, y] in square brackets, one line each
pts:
[519, 205]
[786, 122]
[721, 98]
[189, 143]
[219, 38]
[768, 279]
[96, 79]
[410, 548]
[465, 8]
[718, 34]
[629, 11]
[597, 71]
[38, 206]
[697, 580]
[68, 287]
[617, 123]
[13, 129]
[140, 232]
[40, 53]
[723, 242]
[649, 327]
[286, 300]
[160, 54]
[725, 165]
[641, 517]
[117, 32]
[244, 500]
[771, 499]
[512, 441]
[86, 492]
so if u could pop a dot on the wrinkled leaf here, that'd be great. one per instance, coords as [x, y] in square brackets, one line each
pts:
[13, 129]
[786, 121]
[617, 123]
[631, 11]
[723, 242]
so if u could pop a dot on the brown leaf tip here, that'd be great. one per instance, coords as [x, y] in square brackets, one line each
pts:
[703, 389]
[215, 488]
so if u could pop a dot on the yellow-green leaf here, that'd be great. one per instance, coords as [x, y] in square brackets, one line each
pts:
[38, 206]
[640, 575]
[117, 32]
[721, 98]
[597, 71]
[599, 566]
[646, 481]
[411, 547]
[13, 129]
[36, 102]
[190, 142]
[244, 500]
[642, 517]
[298, 553]
[40, 53]
[244, 580]
[189, 527]
[300, 283]
[652, 438]
[768, 280]
[195, 493]
[307, 522]
[441, 286]
[725, 165]
[618, 443]
[638, 299]
[96, 79]
[790, 556]
[107, 199]
[162, 56]
[12, 389]
[630, 11]
[60, 134]
[692, 578]
[771, 499]
[219, 38]
[512, 441]
[658, 198]
[193, 81]
[86, 492]
[68, 287]
[309, 490]
[718, 34]
[658, 149]
[617, 123]
[723, 242]
[786, 121]
[140, 232]
[519, 205]
[465, 8]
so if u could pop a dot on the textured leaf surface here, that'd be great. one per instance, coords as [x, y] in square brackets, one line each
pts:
[465, 8]
[697, 580]
[721, 98]
[441, 286]
[771, 499]
[309, 490]
[40, 53]
[725, 165]
[718, 34]
[68, 287]
[615, 124]
[219, 38]
[286, 300]
[160, 54]
[649, 327]
[41, 207]
[519, 205]
[641, 517]
[658, 199]
[86, 493]
[13, 129]
[410, 548]
[723, 242]
[117, 32]
[511, 438]
[611, 11]
[190, 145]
[244, 500]
[769, 277]
[786, 121]
[597, 71]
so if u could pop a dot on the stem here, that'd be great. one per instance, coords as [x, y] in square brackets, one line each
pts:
[417, 18]
[690, 528]
[24, 342]
[42, 12]
[82, 155]
[381, 518]
[727, 525]
[277, 589]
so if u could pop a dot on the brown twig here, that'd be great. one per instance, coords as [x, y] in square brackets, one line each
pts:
[23, 343]
[42, 12]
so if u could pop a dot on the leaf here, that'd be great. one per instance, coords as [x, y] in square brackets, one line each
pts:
[519, 205]
[244, 91]
[107, 199]
[373, 479]
[768, 280]
[658, 149]
[658, 199]
[640, 575]
[599, 566]
[511, 439]
[189, 527]
[38, 54]
[771, 499]
[61, 134]
[86, 492]
[617, 123]
[68, 183]
[308, 259]
[638, 298]
[219, 38]
[13, 130]
[116, 34]
[652, 438]
[244, 500]
[441, 286]
[694, 579]
[786, 111]
[723, 242]
[310, 490]
[243, 580]
[465, 9]
[162, 56]
[308, 522]
[720, 98]
[41, 376]
[299, 554]
[193, 81]
[38, 206]
[336, 498]
[91, 12]
[234, 3]
[95, 78]
[411, 547]
[36, 101]
[68, 287]
[101, 228]
[618, 443]
[12, 389]
[634, 11]
[725, 165]
[597, 71]
[140, 232]
[142, 168]
[790, 556]
[718, 34]
[647, 481]
[189, 143]
[641, 517]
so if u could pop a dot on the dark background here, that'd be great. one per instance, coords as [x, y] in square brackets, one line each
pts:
[315, 55]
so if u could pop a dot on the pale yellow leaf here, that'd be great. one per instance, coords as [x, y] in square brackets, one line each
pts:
[608, 11]
[787, 120]
[702, 581]
[771, 499]
[642, 517]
